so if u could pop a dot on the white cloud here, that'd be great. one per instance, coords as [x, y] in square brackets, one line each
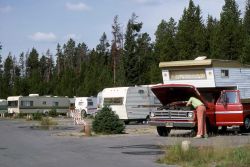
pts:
[43, 37]
[5, 9]
[77, 6]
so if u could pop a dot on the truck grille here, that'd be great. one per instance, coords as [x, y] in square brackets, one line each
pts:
[171, 114]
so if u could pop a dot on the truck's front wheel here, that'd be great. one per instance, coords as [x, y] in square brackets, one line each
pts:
[163, 131]
[246, 126]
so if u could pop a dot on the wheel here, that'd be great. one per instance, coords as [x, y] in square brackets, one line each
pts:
[246, 125]
[83, 114]
[126, 122]
[211, 130]
[163, 131]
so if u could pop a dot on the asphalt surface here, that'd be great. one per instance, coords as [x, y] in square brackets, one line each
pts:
[24, 145]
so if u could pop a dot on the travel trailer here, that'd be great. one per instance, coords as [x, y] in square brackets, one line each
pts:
[3, 106]
[130, 103]
[37, 104]
[222, 85]
[86, 105]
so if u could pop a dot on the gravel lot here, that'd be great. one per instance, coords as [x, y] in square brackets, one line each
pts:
[23, 143]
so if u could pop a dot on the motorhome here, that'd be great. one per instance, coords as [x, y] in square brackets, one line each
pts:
[3, 106]
[86, 105]
[37, 104]
[130, 103]
[222, 85]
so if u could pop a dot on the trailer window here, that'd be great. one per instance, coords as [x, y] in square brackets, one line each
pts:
[113, 101]
[13, 103]
[224, 74]
[44, 102]
[90, 102]
[27, 103]
[187, 74]
[55, 104]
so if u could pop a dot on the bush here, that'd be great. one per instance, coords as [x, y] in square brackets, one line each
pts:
[107, 122]
[37, 116]
[46, 122]
[53, 113]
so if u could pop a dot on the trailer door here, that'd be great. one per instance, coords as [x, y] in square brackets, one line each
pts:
[229, 110]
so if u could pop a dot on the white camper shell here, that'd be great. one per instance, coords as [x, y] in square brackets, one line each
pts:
[86, 105]
[208, 73]
[130, 103]
[37, 104]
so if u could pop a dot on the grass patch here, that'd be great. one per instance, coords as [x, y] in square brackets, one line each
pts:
[207, 156]
[47, 122]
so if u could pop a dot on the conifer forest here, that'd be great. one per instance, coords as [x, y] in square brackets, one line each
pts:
[130, 57]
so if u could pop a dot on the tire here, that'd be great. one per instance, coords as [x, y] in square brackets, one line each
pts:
[126, 122]
[246, 125]
[211, 130]
[163, 131]
[83, 114]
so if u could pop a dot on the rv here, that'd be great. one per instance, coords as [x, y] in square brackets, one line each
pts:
[37, 104]
[86, 105]
[222, 85]
[3, 106]
[130, 103]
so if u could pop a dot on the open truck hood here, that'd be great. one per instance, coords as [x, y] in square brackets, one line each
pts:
[168, 93]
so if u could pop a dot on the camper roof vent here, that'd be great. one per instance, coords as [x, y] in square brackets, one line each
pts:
[200, 58]
[32, 95]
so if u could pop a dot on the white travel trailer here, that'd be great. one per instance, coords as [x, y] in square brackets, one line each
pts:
[130, 103]
[3, 106]
[87, 105]
[37, 104]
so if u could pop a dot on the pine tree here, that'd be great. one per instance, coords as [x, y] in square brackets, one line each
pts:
[245, 56]
[8, 76]
[116, 53]
[1, 73]
[130, 58]
[230, 39]
[190, 38]
[165, 46]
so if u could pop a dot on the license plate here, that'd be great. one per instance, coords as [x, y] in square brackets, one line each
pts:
[169, 124]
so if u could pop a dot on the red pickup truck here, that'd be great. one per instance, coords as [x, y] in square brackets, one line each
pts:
[224, 108]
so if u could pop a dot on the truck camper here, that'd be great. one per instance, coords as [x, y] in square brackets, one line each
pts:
[222, 85]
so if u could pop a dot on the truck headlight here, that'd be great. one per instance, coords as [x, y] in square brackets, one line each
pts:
[190, 114]
[152, 114]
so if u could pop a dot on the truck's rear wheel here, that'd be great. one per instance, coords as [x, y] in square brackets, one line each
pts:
[246, 125]
[163, 131]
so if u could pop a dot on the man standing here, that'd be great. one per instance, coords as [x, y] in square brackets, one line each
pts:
[201, 116]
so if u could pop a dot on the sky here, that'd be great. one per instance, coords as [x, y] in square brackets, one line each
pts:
[43, 24]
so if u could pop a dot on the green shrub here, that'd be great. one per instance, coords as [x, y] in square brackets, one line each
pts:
[107, 122]
[53, 113]
[37, 116]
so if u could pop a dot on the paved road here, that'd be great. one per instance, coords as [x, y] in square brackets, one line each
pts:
[22, 146]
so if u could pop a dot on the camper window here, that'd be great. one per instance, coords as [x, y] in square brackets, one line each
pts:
[12, 103]
[90, 103]
[55, 103]
[27, 103]
[113, 101]
[44, 102]
[224, 73]
[141, 91]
